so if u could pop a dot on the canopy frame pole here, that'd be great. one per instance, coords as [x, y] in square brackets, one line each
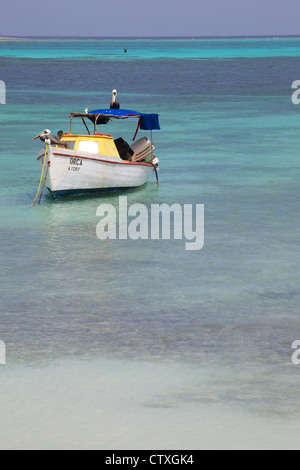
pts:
[85, 125]
[95, 127]
[151, 145]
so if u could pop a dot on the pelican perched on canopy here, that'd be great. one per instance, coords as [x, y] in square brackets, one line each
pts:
[114, 104]
[46, 135]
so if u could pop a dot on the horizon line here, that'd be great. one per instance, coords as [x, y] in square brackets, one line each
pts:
[155, 37]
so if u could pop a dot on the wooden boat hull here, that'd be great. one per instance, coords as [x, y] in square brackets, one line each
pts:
[77, 173]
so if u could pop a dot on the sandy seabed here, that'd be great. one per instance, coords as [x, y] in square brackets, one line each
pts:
[110, 404]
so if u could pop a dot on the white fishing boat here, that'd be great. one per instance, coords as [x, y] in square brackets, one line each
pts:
[79, 165]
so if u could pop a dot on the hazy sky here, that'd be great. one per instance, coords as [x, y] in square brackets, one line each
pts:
[149, 17]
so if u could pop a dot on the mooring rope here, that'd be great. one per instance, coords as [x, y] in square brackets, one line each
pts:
[45, 179]
[156, 174]
[43, 169]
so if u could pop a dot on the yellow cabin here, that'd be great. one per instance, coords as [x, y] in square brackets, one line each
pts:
[102, 144]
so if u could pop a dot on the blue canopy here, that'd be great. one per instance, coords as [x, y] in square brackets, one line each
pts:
[147, 121]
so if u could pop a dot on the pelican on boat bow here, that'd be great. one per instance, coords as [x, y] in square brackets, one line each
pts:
[78, 164]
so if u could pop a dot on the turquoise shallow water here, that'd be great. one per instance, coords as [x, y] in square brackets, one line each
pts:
[150, 48]
[230, 312]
